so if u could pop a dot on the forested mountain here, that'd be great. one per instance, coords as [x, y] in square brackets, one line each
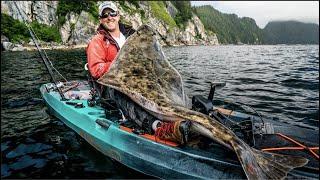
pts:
[290, 32]
[229, 27]
[232, 29]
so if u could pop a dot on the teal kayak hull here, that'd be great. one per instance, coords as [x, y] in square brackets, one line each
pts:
[144, 155]
[139, 153]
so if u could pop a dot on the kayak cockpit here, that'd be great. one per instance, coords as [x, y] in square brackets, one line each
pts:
[109, 123]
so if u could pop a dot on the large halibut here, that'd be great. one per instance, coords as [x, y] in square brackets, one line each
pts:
[142, 72]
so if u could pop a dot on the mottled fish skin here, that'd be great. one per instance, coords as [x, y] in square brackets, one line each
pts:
[142, 72]
[146, 74]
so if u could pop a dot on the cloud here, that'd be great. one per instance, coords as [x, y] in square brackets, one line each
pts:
[265, 11]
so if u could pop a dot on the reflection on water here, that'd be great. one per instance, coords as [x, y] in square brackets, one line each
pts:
[278, 81]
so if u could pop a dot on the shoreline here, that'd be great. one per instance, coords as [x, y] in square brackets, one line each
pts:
[11, 47]
[19, 47]
[58, 47]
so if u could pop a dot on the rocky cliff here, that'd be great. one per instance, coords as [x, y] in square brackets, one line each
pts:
[78, 28]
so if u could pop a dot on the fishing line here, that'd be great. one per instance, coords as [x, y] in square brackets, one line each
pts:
[45, 53]
[44, 58]
[38, 39]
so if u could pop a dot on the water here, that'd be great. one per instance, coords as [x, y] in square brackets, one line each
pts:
[278, 81]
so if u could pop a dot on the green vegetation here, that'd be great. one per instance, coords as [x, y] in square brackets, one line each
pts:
[124, 6]
[65, 7]
[229, 27]
[46, 33]
[131, 11]
[291, 32]
[184, 12]
[158, 10]
[13, 29]
[135, 3]
[17, 31]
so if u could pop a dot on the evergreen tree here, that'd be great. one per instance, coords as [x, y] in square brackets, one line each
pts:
[184, 11]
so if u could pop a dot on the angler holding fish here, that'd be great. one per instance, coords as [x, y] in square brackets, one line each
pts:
[135, 75]
[101, 52]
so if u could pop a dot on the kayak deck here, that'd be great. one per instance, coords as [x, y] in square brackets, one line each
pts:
[143, 152]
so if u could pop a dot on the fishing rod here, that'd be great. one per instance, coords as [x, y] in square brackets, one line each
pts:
[44, 58]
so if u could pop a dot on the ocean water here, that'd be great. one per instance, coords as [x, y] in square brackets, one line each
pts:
[278, 81]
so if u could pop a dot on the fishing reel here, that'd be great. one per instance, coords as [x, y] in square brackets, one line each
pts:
[93, 100]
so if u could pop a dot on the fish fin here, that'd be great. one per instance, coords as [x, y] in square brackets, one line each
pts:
[285, 160]
[263, 165]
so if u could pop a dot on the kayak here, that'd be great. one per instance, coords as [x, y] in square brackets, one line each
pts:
[143, 152]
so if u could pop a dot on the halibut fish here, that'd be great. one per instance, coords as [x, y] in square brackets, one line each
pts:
[142, 72]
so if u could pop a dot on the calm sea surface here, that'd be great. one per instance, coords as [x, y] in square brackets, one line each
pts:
[278, 81]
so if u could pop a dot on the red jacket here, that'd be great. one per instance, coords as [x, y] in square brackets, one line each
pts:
[102, 50]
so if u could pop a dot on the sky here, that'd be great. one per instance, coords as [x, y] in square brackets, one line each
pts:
[265, 11]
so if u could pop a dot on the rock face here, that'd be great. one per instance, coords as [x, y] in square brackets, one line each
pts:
[8, 46]
[194, 34]
[42, 11]
[79, 28]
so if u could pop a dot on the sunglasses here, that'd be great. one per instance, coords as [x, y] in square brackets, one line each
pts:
[112, 14]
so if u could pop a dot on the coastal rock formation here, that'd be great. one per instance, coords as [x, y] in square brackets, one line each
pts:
[42, 11]
[79, 28]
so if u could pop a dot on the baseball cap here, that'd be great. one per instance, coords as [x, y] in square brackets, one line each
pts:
[107, 4]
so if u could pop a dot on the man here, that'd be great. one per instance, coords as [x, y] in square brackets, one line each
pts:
[101, 52]
[110, 37]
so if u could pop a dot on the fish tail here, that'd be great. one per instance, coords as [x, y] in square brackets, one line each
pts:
[263, 165]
